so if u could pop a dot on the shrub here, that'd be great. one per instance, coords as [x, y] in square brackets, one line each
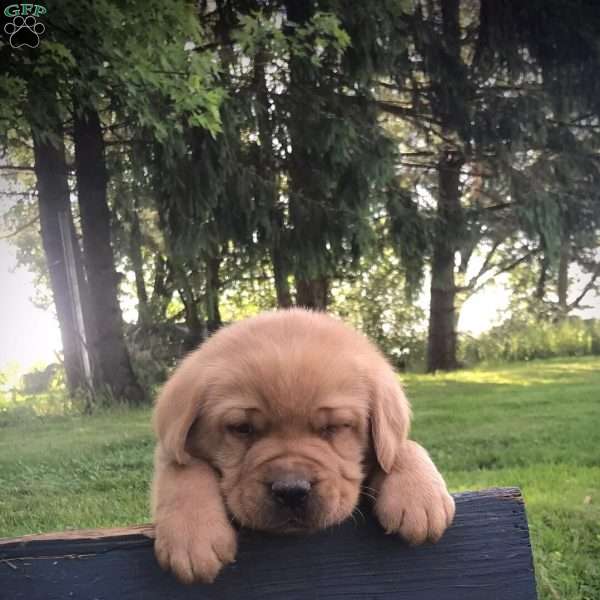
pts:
[517, 339]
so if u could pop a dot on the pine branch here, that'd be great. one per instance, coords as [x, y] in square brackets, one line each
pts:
[400, 110]
[423, 153]
[588, 288]
[16, 168]
[502, 269]
[424, 166]
[13, 194]
[20, 229]
[575, 125]
[485, 267]
[500, 206]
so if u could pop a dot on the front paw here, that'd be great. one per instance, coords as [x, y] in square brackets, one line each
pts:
[194, 550]
[416, 507]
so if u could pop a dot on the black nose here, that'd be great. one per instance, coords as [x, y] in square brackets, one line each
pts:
[291, 493]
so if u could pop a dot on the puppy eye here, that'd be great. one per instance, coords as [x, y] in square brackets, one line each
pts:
[330, 430]
[241, 429]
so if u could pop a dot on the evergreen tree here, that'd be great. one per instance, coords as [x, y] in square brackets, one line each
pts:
[89, 58]
[469, 70]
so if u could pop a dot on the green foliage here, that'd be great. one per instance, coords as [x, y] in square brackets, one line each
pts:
[17, 408]
[409, 233]
[258, 32]
[245, 296]
[254, 126]
[374, 302]
[89, 47]
[519, 339]
[154, 82]
[154, 349]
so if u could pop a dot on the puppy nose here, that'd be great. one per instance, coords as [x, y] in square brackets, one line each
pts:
[291, 493]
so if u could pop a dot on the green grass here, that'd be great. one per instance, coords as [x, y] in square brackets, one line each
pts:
[535, 425]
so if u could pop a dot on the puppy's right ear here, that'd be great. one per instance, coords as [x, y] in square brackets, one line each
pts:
[390, 416]
[177, 408]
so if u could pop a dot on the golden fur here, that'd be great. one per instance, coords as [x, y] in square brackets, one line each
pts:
[289, 396]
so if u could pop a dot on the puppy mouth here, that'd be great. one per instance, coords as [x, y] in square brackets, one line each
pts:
[288, 520]
[292, 525]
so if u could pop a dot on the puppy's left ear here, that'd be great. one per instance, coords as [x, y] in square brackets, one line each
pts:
[390, 416]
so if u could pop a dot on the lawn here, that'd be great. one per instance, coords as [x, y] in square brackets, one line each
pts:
[534, 425]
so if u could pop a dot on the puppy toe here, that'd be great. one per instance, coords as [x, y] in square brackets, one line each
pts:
[410, 522]
[181, 565]
[205, 565]
[390, 520]
[437, 523]
[163, 556]
[449, 508]
[414, 528]
[226, 548]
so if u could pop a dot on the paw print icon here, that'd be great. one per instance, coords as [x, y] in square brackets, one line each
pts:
[24, 31]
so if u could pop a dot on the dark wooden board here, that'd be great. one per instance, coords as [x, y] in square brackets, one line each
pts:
[486, 555]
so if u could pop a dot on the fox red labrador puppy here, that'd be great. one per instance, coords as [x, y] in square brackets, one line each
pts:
[280, 423]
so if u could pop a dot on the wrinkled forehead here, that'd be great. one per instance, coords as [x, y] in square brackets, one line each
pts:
[287, 385]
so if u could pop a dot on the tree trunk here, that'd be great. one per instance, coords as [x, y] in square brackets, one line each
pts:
[162, 287]
[312, 293]
[306, 199]
[540, 288]
[53, 198]
[213, 284]
[441, 342]
[137, 261]
[195, 325]
[113, 358]
[281, 270]
[175, 274]
[281, 274]
[563, 274]
[193, 320]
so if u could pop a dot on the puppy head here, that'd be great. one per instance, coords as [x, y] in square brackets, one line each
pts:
[287, 407]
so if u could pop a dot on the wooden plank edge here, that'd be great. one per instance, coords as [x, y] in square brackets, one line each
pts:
[146, 530]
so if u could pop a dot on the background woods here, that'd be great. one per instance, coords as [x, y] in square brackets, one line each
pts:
[386, 161]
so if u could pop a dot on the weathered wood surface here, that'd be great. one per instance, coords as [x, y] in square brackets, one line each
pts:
[486, 555]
